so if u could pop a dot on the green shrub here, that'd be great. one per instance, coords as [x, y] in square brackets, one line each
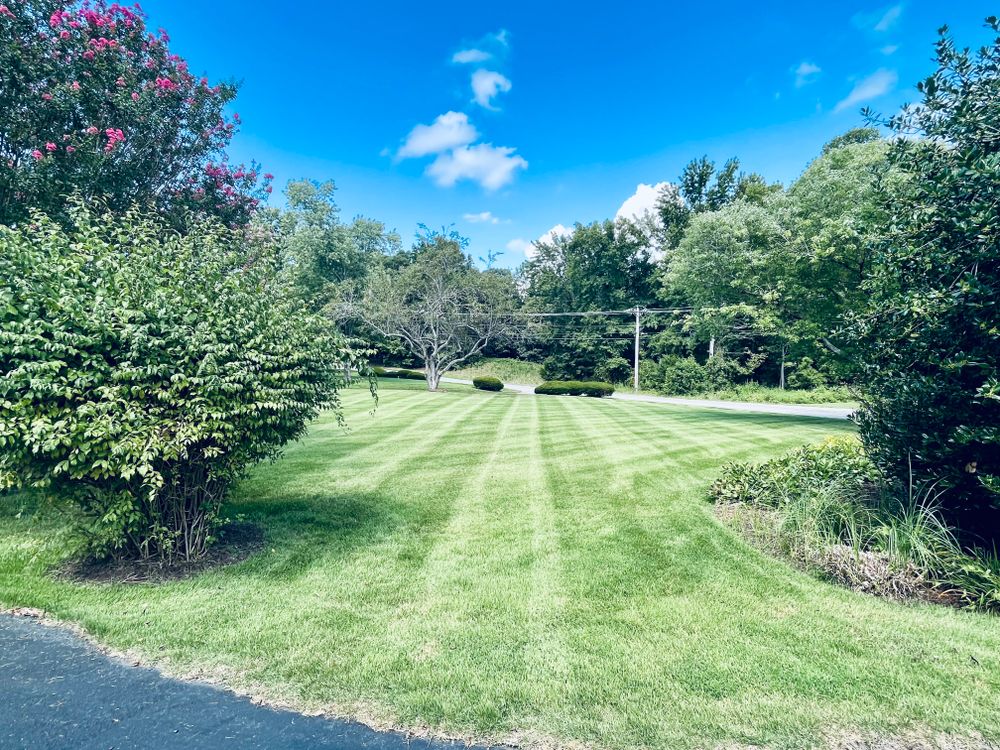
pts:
[487, 383]
[574, 388]
[614, 370]
[928, 341]
[805, 376]
[841, 458]
[409, 375]
[682, 376]
[142, 371]
[379, 372]
[819, 499]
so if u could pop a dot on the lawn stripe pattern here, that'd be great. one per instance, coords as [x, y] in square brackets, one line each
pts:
[545, 568]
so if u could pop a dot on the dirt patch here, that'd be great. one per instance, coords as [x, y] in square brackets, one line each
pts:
[237, 542]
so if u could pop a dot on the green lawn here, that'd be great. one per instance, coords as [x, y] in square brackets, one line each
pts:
[494, 565]
[508, 370]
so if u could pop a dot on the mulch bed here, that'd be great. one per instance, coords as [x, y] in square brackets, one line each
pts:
[237, 542]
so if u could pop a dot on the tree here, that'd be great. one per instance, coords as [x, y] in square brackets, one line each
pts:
[929, 338]
[734, 268]
[92, 104]
[599, 266]
[323, 253]
[437, 304]
[142, 371]
[704, 188]
[833, 213]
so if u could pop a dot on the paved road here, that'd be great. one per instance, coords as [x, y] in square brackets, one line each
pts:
[795, 410]
[58, 692]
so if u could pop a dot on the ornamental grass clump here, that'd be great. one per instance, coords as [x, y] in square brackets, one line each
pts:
[143, 370]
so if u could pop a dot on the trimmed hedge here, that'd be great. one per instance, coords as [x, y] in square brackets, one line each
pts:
[574, 388]
[382, 372]
[487, 383]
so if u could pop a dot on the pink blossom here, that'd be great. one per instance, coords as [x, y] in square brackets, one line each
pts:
[268, 176]
[50, 146]
[70, 149]
[64, 34]
[75, 85]
[120, 81]
[135, 96]
[47, 96]
[92, 130]
[5, 11]
[38, 155]
[88, 55]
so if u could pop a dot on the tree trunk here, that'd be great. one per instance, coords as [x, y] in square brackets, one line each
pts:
[781, 383]
[433, 376]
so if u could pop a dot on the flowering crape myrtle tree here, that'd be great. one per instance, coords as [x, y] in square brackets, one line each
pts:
[92, 103]
[143, 370]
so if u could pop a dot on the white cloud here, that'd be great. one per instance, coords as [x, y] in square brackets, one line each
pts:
[889, 49]
[486, 84]
[806, 72]
[881, 20]
[473, 55]
[450, 130]
[877, 84]
[483, 217]
[527, 247]
[643, 200]
[491, 166]
[521, 247]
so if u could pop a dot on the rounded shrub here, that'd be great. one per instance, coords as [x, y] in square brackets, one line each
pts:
[487, 383]
[380, 372]
[409, 375]
[574, 388]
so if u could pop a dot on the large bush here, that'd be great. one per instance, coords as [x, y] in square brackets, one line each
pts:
[92, 103]
[614, 370]
[930, 339]
[141, 371]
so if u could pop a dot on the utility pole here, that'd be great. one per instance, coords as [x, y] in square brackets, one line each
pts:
[638, 312]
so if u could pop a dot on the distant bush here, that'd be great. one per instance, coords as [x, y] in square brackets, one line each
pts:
[682, 376]
[409, 375]
[614, 370]
[487, 383]
[574, 388]
[383, 372]
[806, 376]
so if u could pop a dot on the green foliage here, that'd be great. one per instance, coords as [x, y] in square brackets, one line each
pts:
[574, 388]
[504, 368]
[614, 370]
[487, 383]
[831, 494]
[402, 374]
[800, 470]
[142, 371]
[806, 376]
[929, 339]
[599, 266]
[681, 376]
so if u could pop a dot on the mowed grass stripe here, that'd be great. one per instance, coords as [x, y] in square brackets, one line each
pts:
[491, 564]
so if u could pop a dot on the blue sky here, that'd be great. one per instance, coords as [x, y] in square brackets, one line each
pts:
[546, 113]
